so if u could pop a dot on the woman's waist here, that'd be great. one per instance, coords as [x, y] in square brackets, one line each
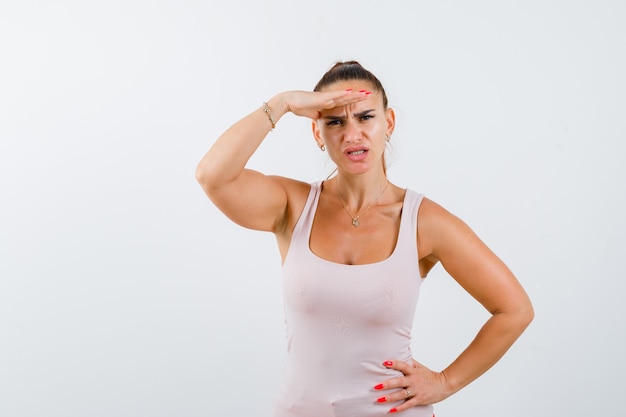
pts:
[338, 370]
[300, 399]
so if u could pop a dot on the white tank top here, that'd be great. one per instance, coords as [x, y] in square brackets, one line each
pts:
[343, 321]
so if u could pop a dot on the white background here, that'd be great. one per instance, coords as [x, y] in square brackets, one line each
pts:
[124, 292]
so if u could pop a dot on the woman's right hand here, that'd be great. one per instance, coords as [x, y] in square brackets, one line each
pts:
[309, 104]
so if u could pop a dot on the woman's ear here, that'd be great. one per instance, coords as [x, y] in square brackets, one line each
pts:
[391, 120]
[316, 133]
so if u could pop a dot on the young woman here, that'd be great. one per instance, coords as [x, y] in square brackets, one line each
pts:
[355, 249]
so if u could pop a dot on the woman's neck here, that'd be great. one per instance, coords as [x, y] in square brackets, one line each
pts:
[360, 191]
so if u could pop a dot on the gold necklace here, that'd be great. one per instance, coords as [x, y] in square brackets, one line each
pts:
[355, 219]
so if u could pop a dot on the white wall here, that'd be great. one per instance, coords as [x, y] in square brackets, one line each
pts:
[124, 292]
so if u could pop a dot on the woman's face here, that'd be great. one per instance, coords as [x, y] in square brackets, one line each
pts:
[355, 135]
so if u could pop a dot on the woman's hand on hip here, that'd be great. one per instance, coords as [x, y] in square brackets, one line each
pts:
[418, 386]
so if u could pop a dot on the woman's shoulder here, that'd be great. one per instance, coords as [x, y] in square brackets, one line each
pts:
[439, 228]
[435, 215]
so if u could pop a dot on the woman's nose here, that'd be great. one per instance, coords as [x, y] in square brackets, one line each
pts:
[352, 131]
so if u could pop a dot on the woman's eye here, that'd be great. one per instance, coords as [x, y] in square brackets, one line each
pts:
[333, 122]
[367, 117]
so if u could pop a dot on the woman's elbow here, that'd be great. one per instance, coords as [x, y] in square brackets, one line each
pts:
[530, 314]
[201, 174]
[525, 314]
[206, 176]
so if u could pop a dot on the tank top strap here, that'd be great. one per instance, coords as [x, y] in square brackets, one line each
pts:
[302, 229]
[407, 236]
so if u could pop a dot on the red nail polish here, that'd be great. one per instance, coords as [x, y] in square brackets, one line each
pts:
[362, 91]
[368, 93]
[379, 386]
[382, 400]
[388, 363]
[393, 410]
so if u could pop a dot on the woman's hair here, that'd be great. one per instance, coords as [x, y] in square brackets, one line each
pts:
[350, 70]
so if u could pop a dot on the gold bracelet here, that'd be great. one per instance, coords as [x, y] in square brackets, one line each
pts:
[268, 111]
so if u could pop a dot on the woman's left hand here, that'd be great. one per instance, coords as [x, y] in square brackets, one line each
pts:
[418, 386]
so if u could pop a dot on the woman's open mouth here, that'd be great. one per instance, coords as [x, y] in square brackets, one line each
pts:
[356, 154]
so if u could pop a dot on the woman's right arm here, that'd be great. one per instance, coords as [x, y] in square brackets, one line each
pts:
[247, 197]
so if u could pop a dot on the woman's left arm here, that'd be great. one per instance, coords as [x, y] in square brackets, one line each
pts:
[444, 237]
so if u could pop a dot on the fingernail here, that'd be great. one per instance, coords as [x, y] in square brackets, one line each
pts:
[368, 92]
[388, 363]
[379, 386]
[348, 89]
[393, 410]
[382, 400]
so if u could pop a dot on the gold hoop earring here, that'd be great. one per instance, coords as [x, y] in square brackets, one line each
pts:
[322, 147]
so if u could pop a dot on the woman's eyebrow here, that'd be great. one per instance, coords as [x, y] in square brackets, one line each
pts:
[363, 113]
[356, 115]
[334, 117]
